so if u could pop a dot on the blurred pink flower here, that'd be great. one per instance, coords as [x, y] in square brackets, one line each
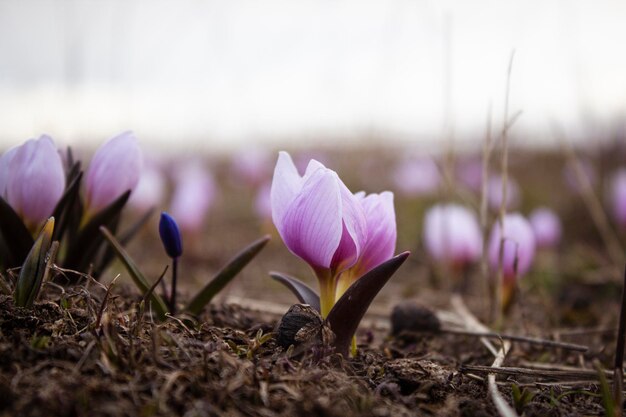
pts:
[470, 174]
[150, 190]
[546, 227]
[114, 169]
[251, 166]
[494, 193]
[416, 177]
[452, 235]
[263, 202]
[194, 194]
[518, 249]
[618, 197]
[571, 178]
[35, 180]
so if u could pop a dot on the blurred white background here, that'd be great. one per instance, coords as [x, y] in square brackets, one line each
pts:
[224, 74]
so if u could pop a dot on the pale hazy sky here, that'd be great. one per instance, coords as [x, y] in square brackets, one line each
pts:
[228, 73]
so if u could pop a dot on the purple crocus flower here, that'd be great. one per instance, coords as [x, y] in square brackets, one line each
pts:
[319, 220]
[262, 202]
[546, 227]
[495, 196]
[150, 189]
[114, 169]
[251, 166]
[416, 177]
[193, 196]
[380, 217]
[518, 250]
[35, 180]
[470, 173]
[618, 197]
[571, 178]
[452, 235]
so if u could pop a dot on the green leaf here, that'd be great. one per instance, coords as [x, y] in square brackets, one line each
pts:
[125, 237]
[84, 248]
[346, 314]
[35, 267]
[16, 237]
[63, 210]
[225, 275]
[136, 275]
[304, 293]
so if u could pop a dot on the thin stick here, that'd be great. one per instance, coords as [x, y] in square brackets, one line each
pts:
[492, 287]
[104, 302]
[594, 206]
[592, 374]
[524, 339]
[504, 179]
[618, 368]
[504, 409]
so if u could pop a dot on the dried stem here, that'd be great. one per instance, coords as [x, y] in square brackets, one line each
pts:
[594, 206]
[618, 368]
[504, 409]
[524, 339]
[504, 179]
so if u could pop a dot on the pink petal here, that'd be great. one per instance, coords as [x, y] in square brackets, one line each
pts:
[452, 234]
[36, 180]
[381, 229]
[286, 185]
[354, 230]
[114, 169]
[312, 226]
[519, 243]
[193, 197]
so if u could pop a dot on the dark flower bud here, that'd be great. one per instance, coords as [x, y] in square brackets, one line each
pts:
[170, 236]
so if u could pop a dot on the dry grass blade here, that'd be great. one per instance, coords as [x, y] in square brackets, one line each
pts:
[524, 339]
[594, 206]
[575, 374]
[473, 323]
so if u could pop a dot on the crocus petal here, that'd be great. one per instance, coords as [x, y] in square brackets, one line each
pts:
[194, 195]
[286, 185]
[251, 166]
[312, 226]
[36, 180]
[149, 191]
[5, 160]
[114, 169]
[416, 176]
[381, 231]
[495, 196]
[354, 230]
[519, 244]
[262, 202]
[546, 227]
[452, 235]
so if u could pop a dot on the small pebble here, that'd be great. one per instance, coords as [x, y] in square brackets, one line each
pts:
[409, 316]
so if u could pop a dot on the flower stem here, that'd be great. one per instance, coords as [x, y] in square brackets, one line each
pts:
[173, 287]
[327, 293]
